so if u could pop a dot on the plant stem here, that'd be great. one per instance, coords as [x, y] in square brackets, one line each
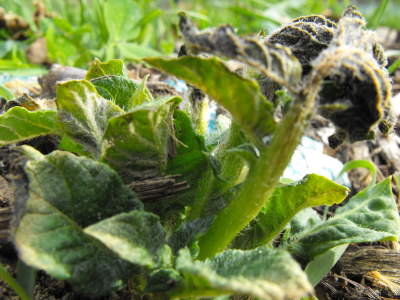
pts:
[263, 177]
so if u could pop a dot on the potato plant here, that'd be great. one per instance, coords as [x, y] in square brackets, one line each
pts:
[76, 217]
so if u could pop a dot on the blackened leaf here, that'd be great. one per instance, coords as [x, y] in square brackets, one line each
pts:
[19, 124]
[135, 236]
[112, 67]
[83, 114]
[135, 144]
[369, 216]
[241, 97]
[264, 272]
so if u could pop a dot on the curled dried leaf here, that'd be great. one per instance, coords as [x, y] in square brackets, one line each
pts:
[356, 91]
[275, 61]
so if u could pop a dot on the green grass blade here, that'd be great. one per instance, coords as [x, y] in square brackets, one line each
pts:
[13, 283]
[394, 66]
[378, 13]
[6, 93]
[26, 277]
[359, 164]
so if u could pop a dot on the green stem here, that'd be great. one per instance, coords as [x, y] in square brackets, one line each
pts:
[263, 177]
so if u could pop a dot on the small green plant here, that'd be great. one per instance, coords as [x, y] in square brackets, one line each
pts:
[75, 216]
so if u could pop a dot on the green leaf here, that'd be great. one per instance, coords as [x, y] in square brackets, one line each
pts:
[135, 236]
[187, 233]
[124, 92]
[6, 93]
[215, 165]
[263, 272]
[286, 202]
[359, 164]
[19, 124]
[17, 288]
[69, 145]
[62, 193]
[83, 114]
[190, 161]
[136, 52]
[135, 144]
[162, 280]
[26, 277]
[369, 216]
[112, 67]
[240, 96]
[118, 89]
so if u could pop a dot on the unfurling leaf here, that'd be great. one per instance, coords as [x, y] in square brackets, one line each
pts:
[356, 93]
[112, 67]
[135, 144]
[265, 273]
[369, 216]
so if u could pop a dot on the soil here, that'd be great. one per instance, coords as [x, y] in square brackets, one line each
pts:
[349, 279]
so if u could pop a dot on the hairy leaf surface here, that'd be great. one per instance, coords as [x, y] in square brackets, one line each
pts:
[263, 272]
[241, 97]
[83, 114]
[135, 144]
[112, 67]
[124, 92]
[286, 202]
[134, 236]
[369, 216]
[62, 194]
[19, 124]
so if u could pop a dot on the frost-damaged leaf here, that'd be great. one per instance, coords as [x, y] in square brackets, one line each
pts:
[19, 124]
[187, 233]
[369, 216]
[135, 236]
[63, 194]
[263, 272]
[83, 114]
[124, 92]
[275, 61]
[190, 161]
[135, 144]
[357, 91]
[112, 67]
[241, 97]
[286, 202]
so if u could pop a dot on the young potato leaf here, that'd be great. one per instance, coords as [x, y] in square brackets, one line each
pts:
[285, 202]
[369, 216]
[19, 124]
[240, 96]
[83, 114]
[112, 67]
[124, 92]
[186, 235]
[264, 272]
[135, 144]
[189, 161]
[60, 194]
[135, 236]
